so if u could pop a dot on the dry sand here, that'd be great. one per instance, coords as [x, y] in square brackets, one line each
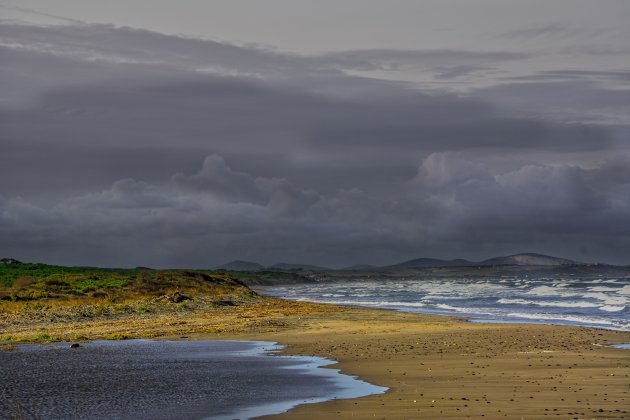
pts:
[435, 366]
[440, 367]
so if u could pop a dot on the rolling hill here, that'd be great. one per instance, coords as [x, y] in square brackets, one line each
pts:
[529, 259]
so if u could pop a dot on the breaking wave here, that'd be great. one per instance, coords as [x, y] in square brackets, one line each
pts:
[602, 303]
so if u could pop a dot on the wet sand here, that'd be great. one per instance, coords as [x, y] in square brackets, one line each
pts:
[435, 366]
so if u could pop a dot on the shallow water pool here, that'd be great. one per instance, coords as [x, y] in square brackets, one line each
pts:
[145, 379]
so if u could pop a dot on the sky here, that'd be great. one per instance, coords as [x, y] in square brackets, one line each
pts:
[188, 134]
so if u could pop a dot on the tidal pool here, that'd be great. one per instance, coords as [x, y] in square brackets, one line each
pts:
[146, 379]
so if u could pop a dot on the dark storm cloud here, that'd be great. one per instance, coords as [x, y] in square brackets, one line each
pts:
[586, 74]
[221, 110]
[451, 200]
[568, 98]
[446, 72]
[609, 78]
[128, 147]
[106, 119]
[140, 130]
[128, 45]
[442, 62]
[108, 43]
[554, 30]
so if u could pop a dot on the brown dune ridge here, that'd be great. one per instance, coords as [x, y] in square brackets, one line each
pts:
[435, 366]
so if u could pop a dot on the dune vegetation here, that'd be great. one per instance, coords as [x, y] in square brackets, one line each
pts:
[26, 282]
[35, 293]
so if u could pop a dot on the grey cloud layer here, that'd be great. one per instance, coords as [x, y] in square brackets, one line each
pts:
[128, 147]
[218, 212]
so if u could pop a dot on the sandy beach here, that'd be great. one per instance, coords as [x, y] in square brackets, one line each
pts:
[435, 366]
[439, 368]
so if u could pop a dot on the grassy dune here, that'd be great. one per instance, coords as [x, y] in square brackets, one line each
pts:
[49, 284]
[36, 295]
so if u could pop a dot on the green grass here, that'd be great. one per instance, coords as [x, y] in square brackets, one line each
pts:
[26, 281]
[142, 309]
[30, 284]
[45, 337]
[92, 284]
[9, 273]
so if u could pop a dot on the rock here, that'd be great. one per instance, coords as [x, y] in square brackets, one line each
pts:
[224, 303]
[75, 345]
[175, 297]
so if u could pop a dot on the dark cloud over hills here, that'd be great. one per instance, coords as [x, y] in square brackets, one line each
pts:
[130, 147]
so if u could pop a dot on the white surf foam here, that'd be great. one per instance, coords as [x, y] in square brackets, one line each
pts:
[549, 303]
[551, 291]
[611, 308]
[567, 318]
[625, 290]
[571, 300]
[603, 289]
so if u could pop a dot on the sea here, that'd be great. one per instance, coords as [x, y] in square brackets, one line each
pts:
[589, 302]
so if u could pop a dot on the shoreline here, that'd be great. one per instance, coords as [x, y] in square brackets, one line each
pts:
[189, 379]
[435, 366]
[534, 378]
[491, 378]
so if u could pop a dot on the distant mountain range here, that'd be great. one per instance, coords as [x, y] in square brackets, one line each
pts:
[240, 265]
[529, 258]
[291, 267]
[361, 267]
[433, 262]
[524, 259]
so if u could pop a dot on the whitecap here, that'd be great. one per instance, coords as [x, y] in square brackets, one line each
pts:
[566, 318]
[603, 289]
[625, 290]
[379, 303]
[550, 291]
[616, 300]
[549, 303]
[447, 307]
[611, 308]
[596, 295]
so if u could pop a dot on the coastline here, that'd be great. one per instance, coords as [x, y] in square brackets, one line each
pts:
[165, 379]
[435, 366]
[444, 367]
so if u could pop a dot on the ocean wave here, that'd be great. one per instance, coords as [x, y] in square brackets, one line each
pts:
[467, 310]
[569, 318]
[603, 289]
[597, 295]
[380, 303]
[433, 298]
[625, 290]
[452, 287]
[447, 307]
[589, 302]
[551, 291]
[611, 308]
[549, 303]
